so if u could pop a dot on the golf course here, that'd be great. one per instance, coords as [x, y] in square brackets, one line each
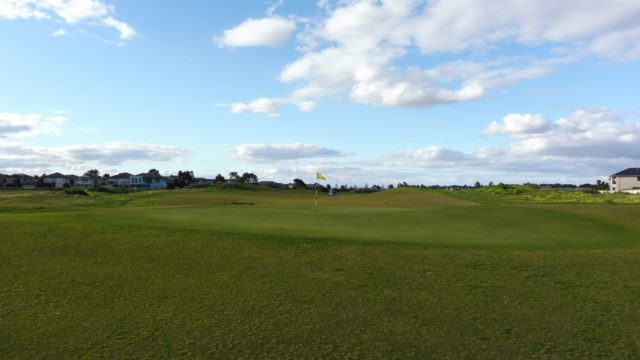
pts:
[250, 272]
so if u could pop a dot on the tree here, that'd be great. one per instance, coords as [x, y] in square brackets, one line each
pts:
[219, 178]
[154, 172]
[185, 178]
[92, 173]
[390, 186]
[299, 184]
[601, 185]
[249, 178]
[477, 184]
[233, 176]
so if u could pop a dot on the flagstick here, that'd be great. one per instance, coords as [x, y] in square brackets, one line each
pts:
[316, 197]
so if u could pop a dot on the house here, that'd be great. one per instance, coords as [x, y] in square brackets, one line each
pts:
[23, 181]
[625, 180]
[120, 180]
[146, 181]
[203, 181]
[56, 180]
[85, 182]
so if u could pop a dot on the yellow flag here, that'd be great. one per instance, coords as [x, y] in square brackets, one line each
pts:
[319, 176]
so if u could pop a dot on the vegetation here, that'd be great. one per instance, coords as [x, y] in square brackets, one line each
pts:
[536, 194]
[407, 273]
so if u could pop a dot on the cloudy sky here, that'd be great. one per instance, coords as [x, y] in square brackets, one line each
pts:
[363, 91]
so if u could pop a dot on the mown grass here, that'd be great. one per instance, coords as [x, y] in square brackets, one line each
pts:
[398, 274]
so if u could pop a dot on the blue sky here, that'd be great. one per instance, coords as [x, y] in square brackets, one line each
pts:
[364, 91]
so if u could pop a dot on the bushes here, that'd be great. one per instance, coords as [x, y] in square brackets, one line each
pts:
[114, 190]
[70, 191]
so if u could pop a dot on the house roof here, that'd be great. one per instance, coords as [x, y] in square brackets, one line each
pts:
[122, 176]
[23, 176]
[628, 172]
[56, 175]
[147, 175]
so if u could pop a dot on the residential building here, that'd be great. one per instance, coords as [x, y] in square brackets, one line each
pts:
[56, 180]
[85, 182]
[146, 181]
[625, 180]
[120, 180]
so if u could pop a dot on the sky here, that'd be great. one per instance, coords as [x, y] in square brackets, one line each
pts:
[365, 92]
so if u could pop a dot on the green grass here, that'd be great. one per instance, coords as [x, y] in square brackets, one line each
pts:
[533, 194]
[233, 273]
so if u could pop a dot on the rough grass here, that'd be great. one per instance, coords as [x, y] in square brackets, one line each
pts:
[534, 194]
[398, 274]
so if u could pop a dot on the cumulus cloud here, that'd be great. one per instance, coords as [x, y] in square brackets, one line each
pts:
[590, 139]
[518, 124]
[126, 31]
[355, 48]
[18, 155]
[270, 107]
[29, 125]
[60, 32]
[279, 152]
[269, 31]
[70, 11]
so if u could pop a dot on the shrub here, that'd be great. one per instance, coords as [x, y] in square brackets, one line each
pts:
[114, 190]
[70, 191]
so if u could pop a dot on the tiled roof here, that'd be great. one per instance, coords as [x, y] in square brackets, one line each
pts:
[628, 172]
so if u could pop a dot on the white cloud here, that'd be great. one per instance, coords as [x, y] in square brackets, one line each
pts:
[587, 141]
[467, 24]
[117, 153]
[70, 11]
[519, 124]
[278, 152]
[269, 31]
[29, 125]
[18, 155]
[270, 107]
[355, 48]
[73, 11]
[126, 31]
[60, 32]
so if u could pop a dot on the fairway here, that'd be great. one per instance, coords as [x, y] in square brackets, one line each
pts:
[257, 273]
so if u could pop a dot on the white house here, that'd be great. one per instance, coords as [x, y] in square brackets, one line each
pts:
[149, 181]
[57, 180]
[86, 181]
[120, 180]
[625, 180]
[143, 181]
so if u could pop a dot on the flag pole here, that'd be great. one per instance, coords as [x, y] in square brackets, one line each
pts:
[315, 199]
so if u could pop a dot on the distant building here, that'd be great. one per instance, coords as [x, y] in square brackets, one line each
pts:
[19, 181]
[120, 180]
[146, 181]
[85, 182]
[625, 180]
[142, 181]
[56, 180]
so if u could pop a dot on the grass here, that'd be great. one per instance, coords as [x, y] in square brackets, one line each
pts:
[401, 274]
